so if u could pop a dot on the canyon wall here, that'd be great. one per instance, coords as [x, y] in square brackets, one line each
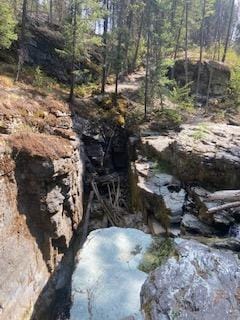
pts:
[41, 202]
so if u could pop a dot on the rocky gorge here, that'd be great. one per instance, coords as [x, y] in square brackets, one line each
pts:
[53, 157]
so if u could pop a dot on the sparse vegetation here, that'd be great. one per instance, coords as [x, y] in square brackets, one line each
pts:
[235, 87]
[87, 90]
[157, 254]
[42, 81]
[181, 96]
[200, 132]
[161, 167]
[171, 116]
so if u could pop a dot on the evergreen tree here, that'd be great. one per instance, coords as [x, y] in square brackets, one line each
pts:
[79, 36]
[7, 25]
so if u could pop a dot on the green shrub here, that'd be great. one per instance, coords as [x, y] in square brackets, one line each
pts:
[87, 90]
[171, 116]
[182, 97]
[200, 132]
[235, 86]
[38, 78]
[42, 81]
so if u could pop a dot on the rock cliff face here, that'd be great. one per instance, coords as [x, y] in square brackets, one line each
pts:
[215, 77]
[41, 204]
[44, 46]
[208, 153]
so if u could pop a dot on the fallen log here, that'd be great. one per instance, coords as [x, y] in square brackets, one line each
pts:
[224, 207]
[224, 195]
[104, 205]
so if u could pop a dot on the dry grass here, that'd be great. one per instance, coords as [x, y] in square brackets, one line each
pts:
[22, 104]
[6, 165]
[6, 81]
[40, 145]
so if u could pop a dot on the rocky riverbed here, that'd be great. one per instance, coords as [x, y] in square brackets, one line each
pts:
[197, 276]
[175, 172]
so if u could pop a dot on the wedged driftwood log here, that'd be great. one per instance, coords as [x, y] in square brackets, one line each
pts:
[224, 195]
[210, 203]
[110, 205]
[224, 207]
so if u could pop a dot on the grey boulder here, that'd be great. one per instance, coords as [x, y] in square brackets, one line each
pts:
[199, 283]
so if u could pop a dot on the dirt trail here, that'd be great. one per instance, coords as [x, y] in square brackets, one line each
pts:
[130, 86]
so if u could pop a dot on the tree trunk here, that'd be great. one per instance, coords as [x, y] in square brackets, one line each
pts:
[128, 36]
[201, 48]
[105, 31]
[21, 53]
[228, 31]
[173, 13]
[209, 86]
[50, 11]
[118, 68]
[217, 34]
[134, 62]
[177, 42]
[74, 35]
[179, 35]
[37, 8]
[186, 42]
[147, 76]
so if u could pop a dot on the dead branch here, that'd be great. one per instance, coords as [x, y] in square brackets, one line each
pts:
[104, 205]
[110, 194]
[117, 196]
[87, 217]
[224, 207]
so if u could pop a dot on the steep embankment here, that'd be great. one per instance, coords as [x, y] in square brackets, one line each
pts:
[41, 197]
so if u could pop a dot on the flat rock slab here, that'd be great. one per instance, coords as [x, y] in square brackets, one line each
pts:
[192, 224]
[198, 283]
[208, 152]
[106, 283]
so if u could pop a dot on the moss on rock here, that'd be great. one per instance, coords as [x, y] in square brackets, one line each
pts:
[158, 253]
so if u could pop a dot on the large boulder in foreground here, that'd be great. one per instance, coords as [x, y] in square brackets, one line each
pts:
[106, 283]
[198, 283]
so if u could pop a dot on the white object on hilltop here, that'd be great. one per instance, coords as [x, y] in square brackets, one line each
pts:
[106, 283]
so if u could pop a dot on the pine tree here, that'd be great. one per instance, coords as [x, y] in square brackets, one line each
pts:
[228, 31]
[79, 36]
[22, 39]
[7, 25]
